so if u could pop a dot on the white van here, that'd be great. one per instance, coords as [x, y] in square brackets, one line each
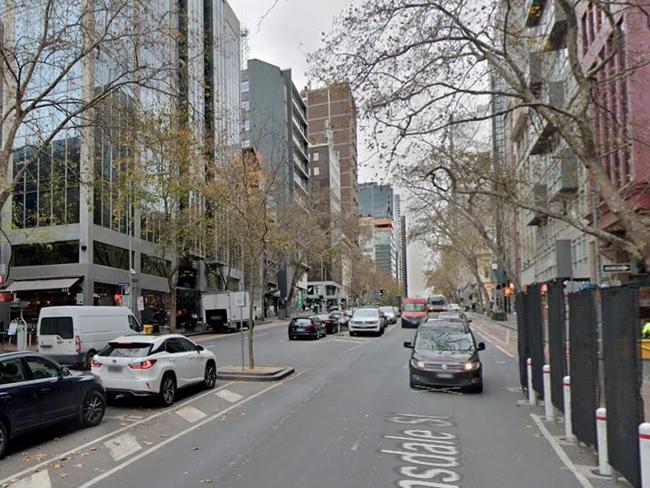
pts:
[73, 335]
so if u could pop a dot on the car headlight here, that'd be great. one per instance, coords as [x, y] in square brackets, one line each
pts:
[417, 364]
[472, 365]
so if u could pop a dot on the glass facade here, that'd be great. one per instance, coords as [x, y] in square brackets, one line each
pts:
[46, 254]
[47, 192]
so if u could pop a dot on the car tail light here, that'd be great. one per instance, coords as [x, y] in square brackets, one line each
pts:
[146, 364]
[311, 326]
[95, 364]
[77, 344]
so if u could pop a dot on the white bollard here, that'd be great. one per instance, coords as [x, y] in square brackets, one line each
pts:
[568, 426]
[548, 404]
[644, 454]
[532, 395]
[604, 469]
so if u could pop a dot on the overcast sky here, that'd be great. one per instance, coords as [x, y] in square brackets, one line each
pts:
[283, 32]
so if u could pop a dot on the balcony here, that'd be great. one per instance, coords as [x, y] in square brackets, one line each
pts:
[567, 183]
[540, 197]
[534, 10]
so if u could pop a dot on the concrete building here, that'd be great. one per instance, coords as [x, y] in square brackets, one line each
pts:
[69, 245]
[403, 259]
[385, 246]
[325, 189]
[549, 171]
[401, 247]
[334, 108]
[376, 200]
[275, 124]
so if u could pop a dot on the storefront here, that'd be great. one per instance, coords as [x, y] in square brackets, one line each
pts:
[43, 293]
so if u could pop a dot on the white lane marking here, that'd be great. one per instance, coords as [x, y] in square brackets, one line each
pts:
[106, 436]
[191, 414]
[356, 444]
[352, 341]
[229, 396]
[41, 479]
[237, 334]
[582, 479]
[122, 446]
[137, 457]
[494, 341]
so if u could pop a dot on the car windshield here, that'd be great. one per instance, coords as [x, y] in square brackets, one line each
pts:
[366, 312]
[436, 300]
[387, 309]
[444, 340]
[301, 322]
[414, 307]
[449, 315]
[126, 350]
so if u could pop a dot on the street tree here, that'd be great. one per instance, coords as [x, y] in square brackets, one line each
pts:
[54, 59]
[420, 67]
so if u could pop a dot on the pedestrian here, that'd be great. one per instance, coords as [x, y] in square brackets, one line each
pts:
[645, 332]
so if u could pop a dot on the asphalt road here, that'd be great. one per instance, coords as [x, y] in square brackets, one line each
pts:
[347, 418]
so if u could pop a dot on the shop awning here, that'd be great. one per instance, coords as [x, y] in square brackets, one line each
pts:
[35, 285]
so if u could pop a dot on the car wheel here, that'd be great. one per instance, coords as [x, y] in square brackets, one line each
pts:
[92, 408]
[352, 333]
[210, 376]
[167, 390]
[4, 438]
[89, 357]
[291, 338]
[478, 388]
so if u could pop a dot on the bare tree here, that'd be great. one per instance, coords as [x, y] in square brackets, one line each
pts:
[415, 63]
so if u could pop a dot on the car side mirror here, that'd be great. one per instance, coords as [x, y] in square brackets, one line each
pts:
[408, 344]
[200, 348]
[481, 346]
[65, 372]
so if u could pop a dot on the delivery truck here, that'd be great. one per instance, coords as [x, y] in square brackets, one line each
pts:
[225, 310]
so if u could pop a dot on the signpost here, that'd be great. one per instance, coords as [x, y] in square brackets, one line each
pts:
[617, 268]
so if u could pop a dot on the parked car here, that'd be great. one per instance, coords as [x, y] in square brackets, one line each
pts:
[145, 365]
[311, 327]
[453, 307]
[391, 317]
[330, 322]
[414, 311]
[341, 317]
[458, 315]
[437, 303]
[445, 357]
[367, 319]
[36, 392]
[72, 335]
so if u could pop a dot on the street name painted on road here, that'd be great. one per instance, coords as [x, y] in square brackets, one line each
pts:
[429, 453]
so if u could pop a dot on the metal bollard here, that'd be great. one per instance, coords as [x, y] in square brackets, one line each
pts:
[644, 454]
[532, 395]
[548, 404]
[604, 469]
[568, 426]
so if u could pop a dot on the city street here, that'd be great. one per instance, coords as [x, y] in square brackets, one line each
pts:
[347, 418]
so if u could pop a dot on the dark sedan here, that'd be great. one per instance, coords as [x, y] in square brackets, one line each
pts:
[330, 321]
[36, 392]
[311, 327]
[445, 357]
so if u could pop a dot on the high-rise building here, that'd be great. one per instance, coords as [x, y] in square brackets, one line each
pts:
[275, 124]
[85, 252]
[403, 258]
[376, 200]
[385, 246]
[334, 108]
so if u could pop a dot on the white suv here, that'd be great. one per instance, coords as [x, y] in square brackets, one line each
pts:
[367, 320]
[145, 365]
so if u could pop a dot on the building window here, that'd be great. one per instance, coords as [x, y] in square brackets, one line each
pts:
[111, 256]
[315, 171]
[245, 86]
[48, 191]
[247, 125]
[47, 254]
[315, 156]
[246, 105]
[155, 266]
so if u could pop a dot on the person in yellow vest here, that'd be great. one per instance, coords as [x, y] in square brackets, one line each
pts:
[645, 331]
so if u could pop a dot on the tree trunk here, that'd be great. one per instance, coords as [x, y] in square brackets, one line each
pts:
[251, 318]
